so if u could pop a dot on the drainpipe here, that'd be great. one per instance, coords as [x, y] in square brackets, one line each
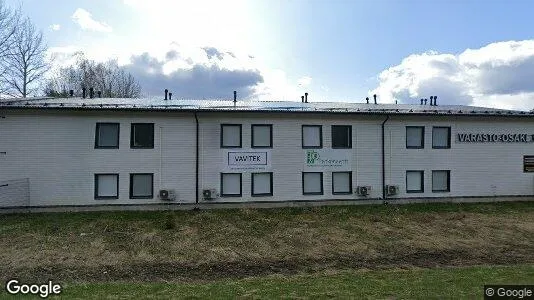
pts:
[196, 160]
[384, 160]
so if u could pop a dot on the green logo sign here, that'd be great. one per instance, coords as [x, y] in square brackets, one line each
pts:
[312, 156]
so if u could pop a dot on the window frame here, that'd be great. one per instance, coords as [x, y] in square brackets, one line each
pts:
[448, 181]
[252, 185]
[131, 186]
[332, 136]
[132, 136]
[422, 145]
[448, 137]
[350, 183]
[313, 193]
[525, 157]
[422, 190]
[222, 135]
[252, 135]
[320, 137]
[240, 185]
[96, 197]
[97, 135]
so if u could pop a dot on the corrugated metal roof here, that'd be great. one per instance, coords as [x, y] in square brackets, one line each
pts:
[249, 105]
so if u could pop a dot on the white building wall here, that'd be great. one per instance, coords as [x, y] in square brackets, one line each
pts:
[287, 153]
[56, 151]
[477, 169]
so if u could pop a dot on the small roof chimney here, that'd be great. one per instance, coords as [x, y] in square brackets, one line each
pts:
[374, 96]
[422, 101]
[367, 98]
[71, 93]
[83, 92]
[302, 99]
[431, 99]
[91, 93]
[306, 97]
[425, 100]
[170, 96]
[435, 99]
[235, 97]
[99, 93]
[166, 93]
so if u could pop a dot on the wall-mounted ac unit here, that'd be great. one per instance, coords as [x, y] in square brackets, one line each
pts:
[209, 194]
[392, 190]
[167, 195]
[363, 190]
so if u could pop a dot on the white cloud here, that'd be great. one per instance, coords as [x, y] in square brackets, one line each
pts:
[497, 75]
[86, 21]
[55, 27]
[304, 81]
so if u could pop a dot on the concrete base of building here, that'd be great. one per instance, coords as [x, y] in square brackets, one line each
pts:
[262, 204]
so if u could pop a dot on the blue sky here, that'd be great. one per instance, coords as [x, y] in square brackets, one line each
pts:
[338, 50]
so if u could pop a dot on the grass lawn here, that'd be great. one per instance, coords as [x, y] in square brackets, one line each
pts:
[368, 251]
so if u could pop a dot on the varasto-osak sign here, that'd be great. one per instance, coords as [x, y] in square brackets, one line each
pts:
[495, 138]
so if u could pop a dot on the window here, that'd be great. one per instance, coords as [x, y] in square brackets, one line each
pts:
[107, 135]
[312, 183]
[312, 136]
[106, 186]
[441, 180]
[142, 186]
[341, 136]
[262, 136]
[230, 135]
[441, 137]
[415, 137]
[231, 184]
[142, 135]
[262, 184]
[341, 183]
[528, 163]
[414, 182]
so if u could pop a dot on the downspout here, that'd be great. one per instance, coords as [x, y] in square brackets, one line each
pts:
[196, 159]
[384, 159]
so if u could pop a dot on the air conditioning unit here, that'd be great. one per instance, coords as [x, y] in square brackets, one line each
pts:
[209, 194]
[363, 190]
[392, 190]
[167, 195]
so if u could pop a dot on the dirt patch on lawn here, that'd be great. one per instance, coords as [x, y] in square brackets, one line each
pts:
[240, 269]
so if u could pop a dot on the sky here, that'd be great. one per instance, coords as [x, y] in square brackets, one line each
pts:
[464, 51]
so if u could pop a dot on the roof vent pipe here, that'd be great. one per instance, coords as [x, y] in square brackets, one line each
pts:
[425, 100]
[71, 93]
[374, 96]
[367, 98]
[91, 93]
[83, 92]
[306, 97]
[99, 94]
[435, 99]
[170, 96]
[431, 98]
[302, 99]
[235, 97]
[421, 101]
[166, 93]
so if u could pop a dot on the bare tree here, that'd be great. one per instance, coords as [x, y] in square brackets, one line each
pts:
[107, 77]
[8, 25]
[25, 61]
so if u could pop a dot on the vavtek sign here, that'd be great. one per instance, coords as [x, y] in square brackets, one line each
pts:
[248, 160]
[495, 138]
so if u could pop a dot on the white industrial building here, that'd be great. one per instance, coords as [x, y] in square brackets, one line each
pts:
[99, 153]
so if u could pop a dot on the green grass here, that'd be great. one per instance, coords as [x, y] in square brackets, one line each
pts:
[443, 283]
[399, 251]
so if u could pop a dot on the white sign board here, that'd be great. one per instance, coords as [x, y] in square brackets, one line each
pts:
[248, 160]
[327, 160]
